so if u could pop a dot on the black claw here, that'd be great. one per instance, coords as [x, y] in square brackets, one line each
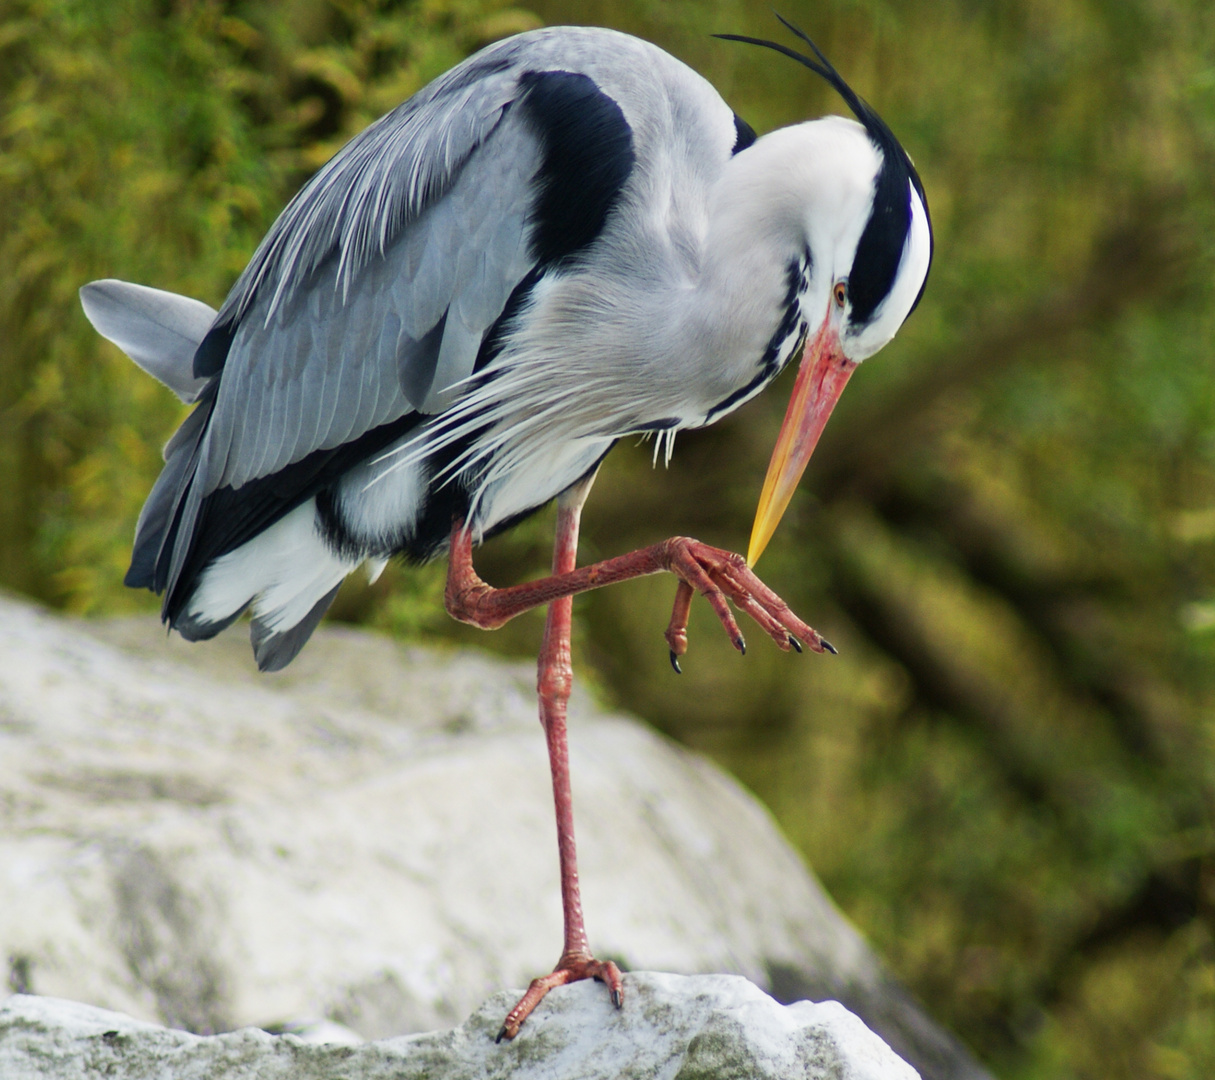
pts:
[829, 647]
[797, 645]
[618, 999]
[675, 663]
[501, 1034]
[740, 645]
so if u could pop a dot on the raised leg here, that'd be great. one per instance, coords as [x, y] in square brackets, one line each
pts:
[712, 572]
[553, 683]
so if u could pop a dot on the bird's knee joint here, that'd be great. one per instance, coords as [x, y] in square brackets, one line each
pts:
[466, 606]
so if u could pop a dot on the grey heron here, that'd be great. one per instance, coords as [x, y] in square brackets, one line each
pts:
[566, 239]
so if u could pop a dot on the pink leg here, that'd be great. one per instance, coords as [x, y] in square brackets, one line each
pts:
[715, 574]
[712, 572]
[554, 682]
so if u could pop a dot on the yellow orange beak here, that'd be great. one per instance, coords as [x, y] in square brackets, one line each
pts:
[821, 379]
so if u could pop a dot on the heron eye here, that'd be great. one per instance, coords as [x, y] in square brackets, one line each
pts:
[841, 293]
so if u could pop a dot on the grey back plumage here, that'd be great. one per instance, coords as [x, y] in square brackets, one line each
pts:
[318, 363]
[370, 298]
[366, 300]
[371, 295]
[372, 292]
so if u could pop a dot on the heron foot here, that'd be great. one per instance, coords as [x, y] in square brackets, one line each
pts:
[569, 969]
[721, 577]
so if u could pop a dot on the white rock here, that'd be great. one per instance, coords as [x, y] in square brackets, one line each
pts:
[671, 1026]
[367, 839]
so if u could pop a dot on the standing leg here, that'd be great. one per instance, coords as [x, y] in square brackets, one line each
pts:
[554, 681]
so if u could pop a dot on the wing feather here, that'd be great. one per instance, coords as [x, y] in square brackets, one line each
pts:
[159, 330]
[324, 366]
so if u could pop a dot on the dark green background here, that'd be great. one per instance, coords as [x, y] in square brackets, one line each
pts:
[1009, 529]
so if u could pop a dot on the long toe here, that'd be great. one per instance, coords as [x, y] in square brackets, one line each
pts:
[568, 970]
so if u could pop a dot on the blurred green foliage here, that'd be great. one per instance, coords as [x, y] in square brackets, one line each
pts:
[1006, 777]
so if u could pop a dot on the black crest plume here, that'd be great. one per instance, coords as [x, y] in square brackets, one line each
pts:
[881, 245]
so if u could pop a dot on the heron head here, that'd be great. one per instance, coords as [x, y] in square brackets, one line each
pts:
[880, 239]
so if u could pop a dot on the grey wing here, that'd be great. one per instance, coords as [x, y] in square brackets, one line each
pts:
[371, 295]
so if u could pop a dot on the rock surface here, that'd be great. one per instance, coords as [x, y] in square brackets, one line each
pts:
[367, 839]
[671, 1027]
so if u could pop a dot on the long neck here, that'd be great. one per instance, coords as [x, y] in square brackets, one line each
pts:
[753, 267]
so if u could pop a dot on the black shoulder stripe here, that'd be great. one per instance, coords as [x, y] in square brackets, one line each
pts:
[744, 134]
[588, 156]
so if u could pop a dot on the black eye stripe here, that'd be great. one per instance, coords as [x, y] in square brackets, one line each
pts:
[881, 246]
